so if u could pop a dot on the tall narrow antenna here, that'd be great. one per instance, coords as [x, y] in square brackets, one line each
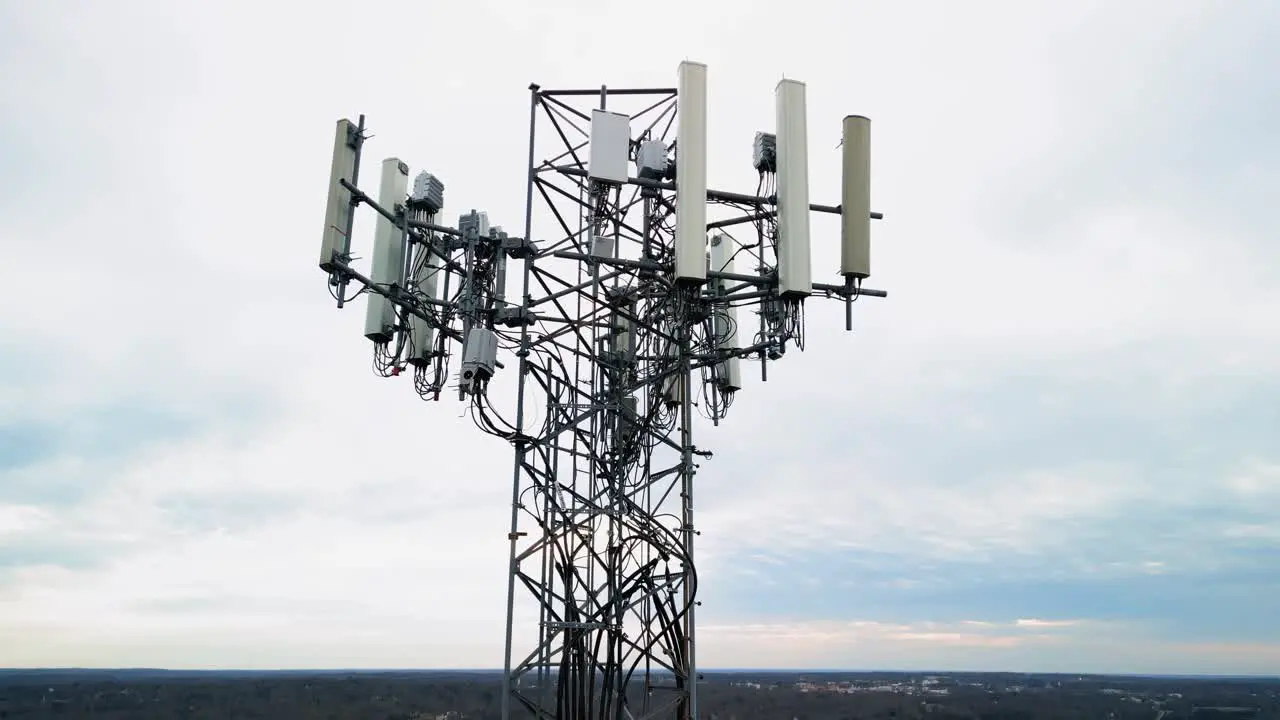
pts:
[795, 269]
[621, 319]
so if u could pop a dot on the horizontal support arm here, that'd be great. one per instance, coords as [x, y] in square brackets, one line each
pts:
[755, 280]
[722, 195]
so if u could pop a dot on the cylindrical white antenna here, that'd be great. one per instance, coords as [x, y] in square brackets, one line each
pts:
[388, 251]
[794, 271]
[691, 173]
[855, 203]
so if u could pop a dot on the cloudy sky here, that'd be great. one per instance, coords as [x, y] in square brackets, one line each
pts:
[1047, 450]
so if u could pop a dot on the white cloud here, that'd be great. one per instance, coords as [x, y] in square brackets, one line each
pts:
[19, 518]
[1026, 646]
[1034, 623]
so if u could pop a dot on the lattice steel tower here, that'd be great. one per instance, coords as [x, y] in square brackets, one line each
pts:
[625, 310]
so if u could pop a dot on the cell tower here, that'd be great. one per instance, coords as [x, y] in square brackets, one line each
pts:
[621, 309]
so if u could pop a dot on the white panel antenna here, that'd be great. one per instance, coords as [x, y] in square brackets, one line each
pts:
[691, 174]
[426, 202]
[422, 336]
[337, 211]
[388, 251]
[794, 264]
[855, 201]
[626, 340]
[610, 149]
[726, 321]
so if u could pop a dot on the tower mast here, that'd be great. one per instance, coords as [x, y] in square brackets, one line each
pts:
[622, 319]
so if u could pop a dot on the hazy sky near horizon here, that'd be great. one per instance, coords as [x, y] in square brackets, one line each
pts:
[1047, 450]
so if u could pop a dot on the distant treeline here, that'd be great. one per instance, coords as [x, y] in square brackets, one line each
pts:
[144, 694]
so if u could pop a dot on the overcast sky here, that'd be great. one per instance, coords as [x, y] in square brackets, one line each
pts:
[1047, 450]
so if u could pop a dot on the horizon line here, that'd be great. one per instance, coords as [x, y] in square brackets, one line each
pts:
[725, 670]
